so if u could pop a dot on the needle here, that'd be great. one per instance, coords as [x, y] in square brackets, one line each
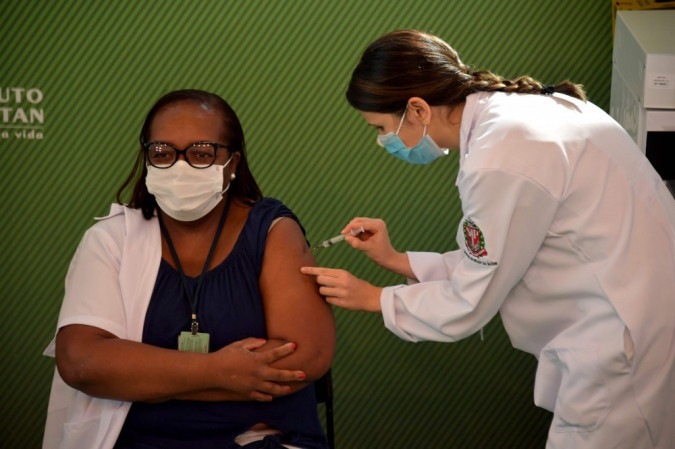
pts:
[338, 238]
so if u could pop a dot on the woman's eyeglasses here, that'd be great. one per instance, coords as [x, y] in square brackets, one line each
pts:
[198, 154]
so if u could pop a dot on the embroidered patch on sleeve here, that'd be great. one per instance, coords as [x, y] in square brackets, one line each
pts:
[475, 243]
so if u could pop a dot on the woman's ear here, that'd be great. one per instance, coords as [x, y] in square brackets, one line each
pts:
[234, 162]
[420, 110]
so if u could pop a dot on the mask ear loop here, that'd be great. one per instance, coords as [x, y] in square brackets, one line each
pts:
[232, 176]
[401, 122]
[424, 131]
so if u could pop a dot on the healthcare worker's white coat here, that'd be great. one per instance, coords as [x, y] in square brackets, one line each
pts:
[109, 285]
[569, 233]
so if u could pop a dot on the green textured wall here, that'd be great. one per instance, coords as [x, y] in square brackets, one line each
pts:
[90, 71]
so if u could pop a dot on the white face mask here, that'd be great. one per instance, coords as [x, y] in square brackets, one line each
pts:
[186, 193]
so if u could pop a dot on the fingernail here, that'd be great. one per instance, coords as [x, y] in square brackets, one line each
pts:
[301, 375]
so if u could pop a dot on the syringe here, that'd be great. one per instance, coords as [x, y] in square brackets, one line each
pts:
[338, 238]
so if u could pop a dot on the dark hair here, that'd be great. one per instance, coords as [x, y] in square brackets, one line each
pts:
[411, 63]
[244, 188]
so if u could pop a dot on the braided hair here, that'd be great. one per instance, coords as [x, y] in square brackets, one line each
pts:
[407, 63]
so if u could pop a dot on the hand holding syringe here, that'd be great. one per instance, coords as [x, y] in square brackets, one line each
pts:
[338, 238]
[343, 289]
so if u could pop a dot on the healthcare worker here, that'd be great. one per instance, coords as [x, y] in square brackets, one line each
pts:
[567, 232]
[184, 324]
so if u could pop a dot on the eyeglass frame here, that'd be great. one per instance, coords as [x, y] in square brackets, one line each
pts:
[216, 145]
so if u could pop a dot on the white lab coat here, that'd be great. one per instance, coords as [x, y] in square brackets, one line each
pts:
[108, 285]
[569, 233]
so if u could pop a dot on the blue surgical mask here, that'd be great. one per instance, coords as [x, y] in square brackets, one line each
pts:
[425, 152]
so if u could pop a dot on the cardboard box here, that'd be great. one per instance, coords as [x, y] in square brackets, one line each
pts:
[638, 5]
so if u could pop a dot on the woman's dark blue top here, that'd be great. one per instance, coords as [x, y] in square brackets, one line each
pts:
[229, 309]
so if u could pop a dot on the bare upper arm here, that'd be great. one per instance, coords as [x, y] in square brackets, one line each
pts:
[294, 309]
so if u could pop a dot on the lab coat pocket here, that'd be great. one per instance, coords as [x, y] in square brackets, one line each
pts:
[577, 393]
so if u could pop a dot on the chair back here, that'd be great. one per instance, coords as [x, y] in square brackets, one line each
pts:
[323, 388]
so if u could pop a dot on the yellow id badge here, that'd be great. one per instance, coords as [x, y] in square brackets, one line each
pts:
[189, 342]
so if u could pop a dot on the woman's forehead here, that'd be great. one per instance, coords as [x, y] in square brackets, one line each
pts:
[187, 115]
[182, 127]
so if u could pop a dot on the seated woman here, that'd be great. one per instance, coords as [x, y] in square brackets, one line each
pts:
[186, 321]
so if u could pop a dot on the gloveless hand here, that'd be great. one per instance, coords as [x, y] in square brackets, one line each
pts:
[248, 373]
[343, 289]
[375, 243]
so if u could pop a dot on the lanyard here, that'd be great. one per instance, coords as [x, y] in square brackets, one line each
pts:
[193, 297]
